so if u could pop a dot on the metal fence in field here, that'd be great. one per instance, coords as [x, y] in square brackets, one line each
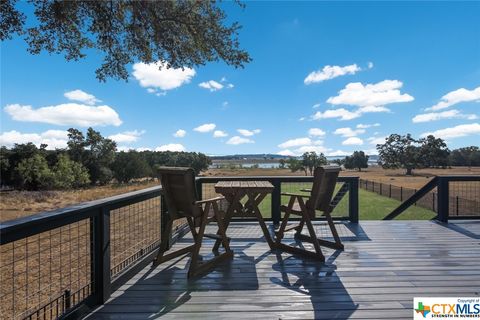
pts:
[463, 196]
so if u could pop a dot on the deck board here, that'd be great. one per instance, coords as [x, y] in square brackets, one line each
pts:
[385, 264]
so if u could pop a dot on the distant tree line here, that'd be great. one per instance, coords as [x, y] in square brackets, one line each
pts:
[406, 152]
[87, 160]
[398, 151]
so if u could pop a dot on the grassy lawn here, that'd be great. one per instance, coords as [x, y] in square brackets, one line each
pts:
[375, 207]
[372, 205]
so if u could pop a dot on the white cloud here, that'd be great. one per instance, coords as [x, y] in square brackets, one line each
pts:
[316, 105]
[230, 86]
[286, 152]
[338, 153]
[371, 96]
[53, 138]
[66, 114]
[370, 65]
[366, 126]
[219, 134]
[312, 148]
[207, 127]
[376, 140]
[170, 147]
[159, 76]
[225, 104]
[371, 152]
[301, 146]
[370, 109]
[295, 143]
[450, 114]
[239, 140]
[316, 132]
[341, 113]
[82, 96]
[352, 141]
[211, 85]
[127, 136]
[455, 132]
[457, 96]
[348, 132]
[248, 133]
[180, 133]
[330, 72]
[124, 148]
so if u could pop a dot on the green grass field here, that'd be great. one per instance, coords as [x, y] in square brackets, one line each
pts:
[372, 206]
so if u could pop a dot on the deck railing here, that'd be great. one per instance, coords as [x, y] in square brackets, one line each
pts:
[458, 197]
[59, 263]
[65, 262]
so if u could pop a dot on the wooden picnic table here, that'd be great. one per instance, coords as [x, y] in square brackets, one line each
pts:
[235, 191]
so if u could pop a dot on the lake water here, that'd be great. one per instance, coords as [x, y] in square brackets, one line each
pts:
[266, 165]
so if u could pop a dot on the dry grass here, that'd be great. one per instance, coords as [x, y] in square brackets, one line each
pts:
[16, 204]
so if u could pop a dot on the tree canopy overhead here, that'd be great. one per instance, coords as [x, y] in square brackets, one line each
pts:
[182, 33]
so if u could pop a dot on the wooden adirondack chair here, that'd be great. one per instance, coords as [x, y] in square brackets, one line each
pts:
[319, 199]
[178, 185]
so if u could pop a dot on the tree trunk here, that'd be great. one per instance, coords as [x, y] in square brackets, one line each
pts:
[409, 171]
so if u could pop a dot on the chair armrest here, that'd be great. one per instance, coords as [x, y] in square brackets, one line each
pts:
[306, 190]
[209, 200]
[295, 195]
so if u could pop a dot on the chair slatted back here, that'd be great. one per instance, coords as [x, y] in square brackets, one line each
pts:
[178, 185]
[324, 181]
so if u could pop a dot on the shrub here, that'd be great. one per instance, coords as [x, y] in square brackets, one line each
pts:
[34, 173]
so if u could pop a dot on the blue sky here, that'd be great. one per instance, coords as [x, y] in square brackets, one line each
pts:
[325, 77]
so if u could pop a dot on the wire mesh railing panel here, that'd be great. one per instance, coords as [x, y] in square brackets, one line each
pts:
[464, 198]
[134, 232]
[428, 201]
[265, 207]
[44, 275]
[341, 208]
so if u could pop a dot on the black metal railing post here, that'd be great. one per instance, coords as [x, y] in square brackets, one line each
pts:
[353, 199]
[101, 255]
[276, 201]
[443, 199]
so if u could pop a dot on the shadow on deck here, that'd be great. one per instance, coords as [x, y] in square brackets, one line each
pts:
[385, 264]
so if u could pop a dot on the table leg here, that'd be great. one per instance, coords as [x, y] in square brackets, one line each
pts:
[255, 201]
[234, 202]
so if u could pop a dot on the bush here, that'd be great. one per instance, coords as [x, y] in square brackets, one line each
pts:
[34, 173]
[69, 174]
[129, 165]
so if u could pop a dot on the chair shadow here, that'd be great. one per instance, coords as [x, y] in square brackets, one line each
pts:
[173, 275]
[328, 296]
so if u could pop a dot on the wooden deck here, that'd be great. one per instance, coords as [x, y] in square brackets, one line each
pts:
[385, 264]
